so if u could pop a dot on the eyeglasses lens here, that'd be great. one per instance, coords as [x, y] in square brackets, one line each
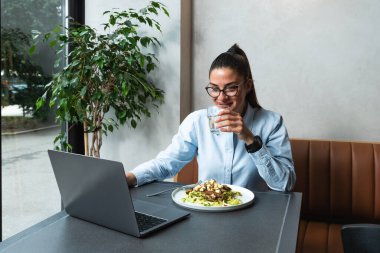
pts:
[229, 91]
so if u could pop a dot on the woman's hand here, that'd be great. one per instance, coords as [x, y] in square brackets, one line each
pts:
[230, 121]
[131, 178]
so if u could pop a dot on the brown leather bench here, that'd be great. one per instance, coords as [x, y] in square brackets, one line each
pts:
[340, 182]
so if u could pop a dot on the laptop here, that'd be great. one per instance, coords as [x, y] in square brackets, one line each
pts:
[96, 190]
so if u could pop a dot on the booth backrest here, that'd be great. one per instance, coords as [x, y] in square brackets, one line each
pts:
[339, 180]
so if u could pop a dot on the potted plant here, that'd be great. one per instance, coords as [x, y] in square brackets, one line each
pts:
[104, 70]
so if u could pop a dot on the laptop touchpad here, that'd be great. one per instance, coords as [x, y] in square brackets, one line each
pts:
[147, 207]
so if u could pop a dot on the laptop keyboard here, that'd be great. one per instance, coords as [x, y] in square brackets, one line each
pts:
[145, 221]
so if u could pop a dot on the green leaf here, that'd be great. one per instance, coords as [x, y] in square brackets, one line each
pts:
[83, 91]
[110, 128]
[45, 93]
[142, 60]
[121, 114]
[122, 121]
[155, 4]
[112, 20]
[97, 95]
[32, 49]
[153, 10]
[57, 138]
[132, 41]
[56, 62]
[150, 66]
[35, 36]
[64, 83]
[74, 81]
[128, 23]
[145, 41]
[40, 102]
[52, 103]
[67, 116]
[46, 36]
[141, 19]
[53, 43]
[125, 88]
[101, 63]
[133, 123]
[74, 63]
[129, 61]
[57, 29]
[63, 103]
[149, 21]
[62, 38]
[165, 11]
[158, 27]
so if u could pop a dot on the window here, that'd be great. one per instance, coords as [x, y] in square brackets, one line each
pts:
[29, 190]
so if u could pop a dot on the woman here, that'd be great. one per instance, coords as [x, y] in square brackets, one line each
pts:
[254, 149]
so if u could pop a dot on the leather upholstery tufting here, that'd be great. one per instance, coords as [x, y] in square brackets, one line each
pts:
[340, 184]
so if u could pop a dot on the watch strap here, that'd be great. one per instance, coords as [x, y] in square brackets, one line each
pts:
[256, 145]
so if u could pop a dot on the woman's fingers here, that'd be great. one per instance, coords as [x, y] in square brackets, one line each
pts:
[227, 112]
[228, 115]
[230, 121]
[230, 127]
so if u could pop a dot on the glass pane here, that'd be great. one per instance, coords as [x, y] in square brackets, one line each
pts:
[29, 190]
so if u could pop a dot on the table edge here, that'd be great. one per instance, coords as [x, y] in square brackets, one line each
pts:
[289, 235]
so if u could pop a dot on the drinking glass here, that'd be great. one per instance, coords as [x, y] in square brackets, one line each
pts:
[212, 112]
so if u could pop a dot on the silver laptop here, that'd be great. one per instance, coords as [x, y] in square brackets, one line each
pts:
[96, 190]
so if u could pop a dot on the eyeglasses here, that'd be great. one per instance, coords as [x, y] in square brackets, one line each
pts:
[229, 91]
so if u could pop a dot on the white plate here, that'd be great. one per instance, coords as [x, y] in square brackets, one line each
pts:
[246, 198]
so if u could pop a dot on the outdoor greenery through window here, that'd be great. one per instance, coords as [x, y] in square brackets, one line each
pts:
[29, 191]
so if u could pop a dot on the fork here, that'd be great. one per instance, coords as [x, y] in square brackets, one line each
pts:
[173, 188]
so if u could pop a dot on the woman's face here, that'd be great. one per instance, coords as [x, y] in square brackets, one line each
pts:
[226, 77]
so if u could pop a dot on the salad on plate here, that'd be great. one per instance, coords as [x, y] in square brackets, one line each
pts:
[211, 193]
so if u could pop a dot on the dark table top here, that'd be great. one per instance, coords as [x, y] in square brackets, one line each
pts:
[269, 225]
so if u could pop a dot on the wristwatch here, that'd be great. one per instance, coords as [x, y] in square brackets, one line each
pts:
[255, 145]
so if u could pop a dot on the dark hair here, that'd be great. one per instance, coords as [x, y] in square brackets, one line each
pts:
[236, 59]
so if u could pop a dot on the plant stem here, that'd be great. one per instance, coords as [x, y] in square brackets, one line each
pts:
[85, 128]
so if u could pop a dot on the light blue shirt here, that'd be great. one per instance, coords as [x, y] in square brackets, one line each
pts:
[224, 157]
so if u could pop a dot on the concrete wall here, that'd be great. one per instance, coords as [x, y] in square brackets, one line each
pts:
[134, 146]
[315, 62]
